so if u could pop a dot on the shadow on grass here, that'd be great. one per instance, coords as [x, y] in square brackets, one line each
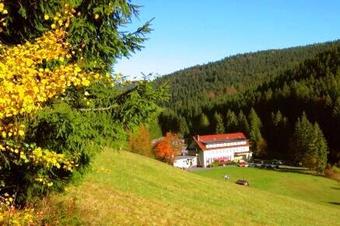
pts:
[300, 171]
[335, 188]
[295, 171]
[335, 203]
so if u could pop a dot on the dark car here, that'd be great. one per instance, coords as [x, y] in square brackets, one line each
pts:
[257, 163]
[274, 164]
[242, 182]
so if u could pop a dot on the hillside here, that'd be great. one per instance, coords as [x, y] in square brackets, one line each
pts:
[311, 87]
[197, 86]
[128, 189]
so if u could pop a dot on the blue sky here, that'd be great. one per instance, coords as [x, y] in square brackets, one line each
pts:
[191, 32]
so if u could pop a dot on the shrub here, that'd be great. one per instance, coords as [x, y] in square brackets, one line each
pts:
[168, 147]
[140, 141]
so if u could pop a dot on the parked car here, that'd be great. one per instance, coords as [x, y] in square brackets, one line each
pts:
[276, 163]
[257, 163]
[269, 165]
[243, 163]
[242, 182]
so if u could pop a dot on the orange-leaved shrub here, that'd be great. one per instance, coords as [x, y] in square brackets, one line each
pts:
[168, 147]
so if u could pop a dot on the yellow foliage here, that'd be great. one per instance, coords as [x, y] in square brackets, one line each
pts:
[25, 85]
[31, 74]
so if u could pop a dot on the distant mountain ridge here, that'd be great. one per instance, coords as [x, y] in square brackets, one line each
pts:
[197, 86]
[279, 86]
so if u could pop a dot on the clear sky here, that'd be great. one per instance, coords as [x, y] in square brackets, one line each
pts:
[191, 32]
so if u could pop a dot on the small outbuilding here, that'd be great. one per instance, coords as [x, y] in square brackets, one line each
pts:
[185, 162]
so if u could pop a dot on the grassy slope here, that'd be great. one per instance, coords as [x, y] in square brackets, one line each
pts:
[127, 189]
[300, 186]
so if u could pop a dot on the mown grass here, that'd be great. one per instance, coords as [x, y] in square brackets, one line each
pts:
[311, 188]
[128, 189]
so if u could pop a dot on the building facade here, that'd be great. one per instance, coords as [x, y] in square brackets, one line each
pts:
[185, 162]
[222, 148]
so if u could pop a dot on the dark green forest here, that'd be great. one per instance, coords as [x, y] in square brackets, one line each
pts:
[264, 94]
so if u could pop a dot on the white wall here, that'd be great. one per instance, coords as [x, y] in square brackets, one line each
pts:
[228, 153]
[227, 144]
[185, 163]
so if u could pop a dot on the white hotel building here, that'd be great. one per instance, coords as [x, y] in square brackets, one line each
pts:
[221, 147]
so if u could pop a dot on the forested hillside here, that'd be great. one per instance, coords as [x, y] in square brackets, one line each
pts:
[195, 87]
[282, 99]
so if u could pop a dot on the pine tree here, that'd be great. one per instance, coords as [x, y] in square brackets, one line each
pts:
[322, 149]
[315, 155]
[302, 137]
[309, 144]
[219, 123]
[94, 32]
[183, 126]
[243, 123]
[231, 122]
[258, 143]
[204, 123]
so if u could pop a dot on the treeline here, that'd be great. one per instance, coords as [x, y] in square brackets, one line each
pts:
[194, 88]
[309, 90]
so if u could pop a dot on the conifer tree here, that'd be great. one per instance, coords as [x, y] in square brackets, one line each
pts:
[204, 122]
[321, 149]
[309, 144]
[183, 126]
[94, 32]
[302, 137]
[258, 143]
[243, 123]
[219, 123]
[231, 122]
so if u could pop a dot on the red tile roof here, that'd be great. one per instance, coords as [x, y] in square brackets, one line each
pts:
[201, 140]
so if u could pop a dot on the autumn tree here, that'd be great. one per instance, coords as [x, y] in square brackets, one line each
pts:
[54, 50]
[168, 148]
[140, 142]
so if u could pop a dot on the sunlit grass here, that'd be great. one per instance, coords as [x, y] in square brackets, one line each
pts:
[128, 189]
[316, 189]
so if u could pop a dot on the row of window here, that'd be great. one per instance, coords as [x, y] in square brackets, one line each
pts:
[227, 144]
[228, 151]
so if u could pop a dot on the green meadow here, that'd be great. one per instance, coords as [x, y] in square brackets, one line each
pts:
[123, 188]
[296, 185]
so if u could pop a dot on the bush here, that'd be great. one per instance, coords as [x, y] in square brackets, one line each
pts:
[215, 164]
[140, 141]
[79, 134]
[168, 147]
[332, 172]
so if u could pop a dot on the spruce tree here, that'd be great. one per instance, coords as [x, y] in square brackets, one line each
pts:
[243, 124]
[309, 144]
[219, 123]
[97, 32]
[231, 122]
[302, 136]
[321, 149]
[204, 123]
[258, 143]
[183, 126]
